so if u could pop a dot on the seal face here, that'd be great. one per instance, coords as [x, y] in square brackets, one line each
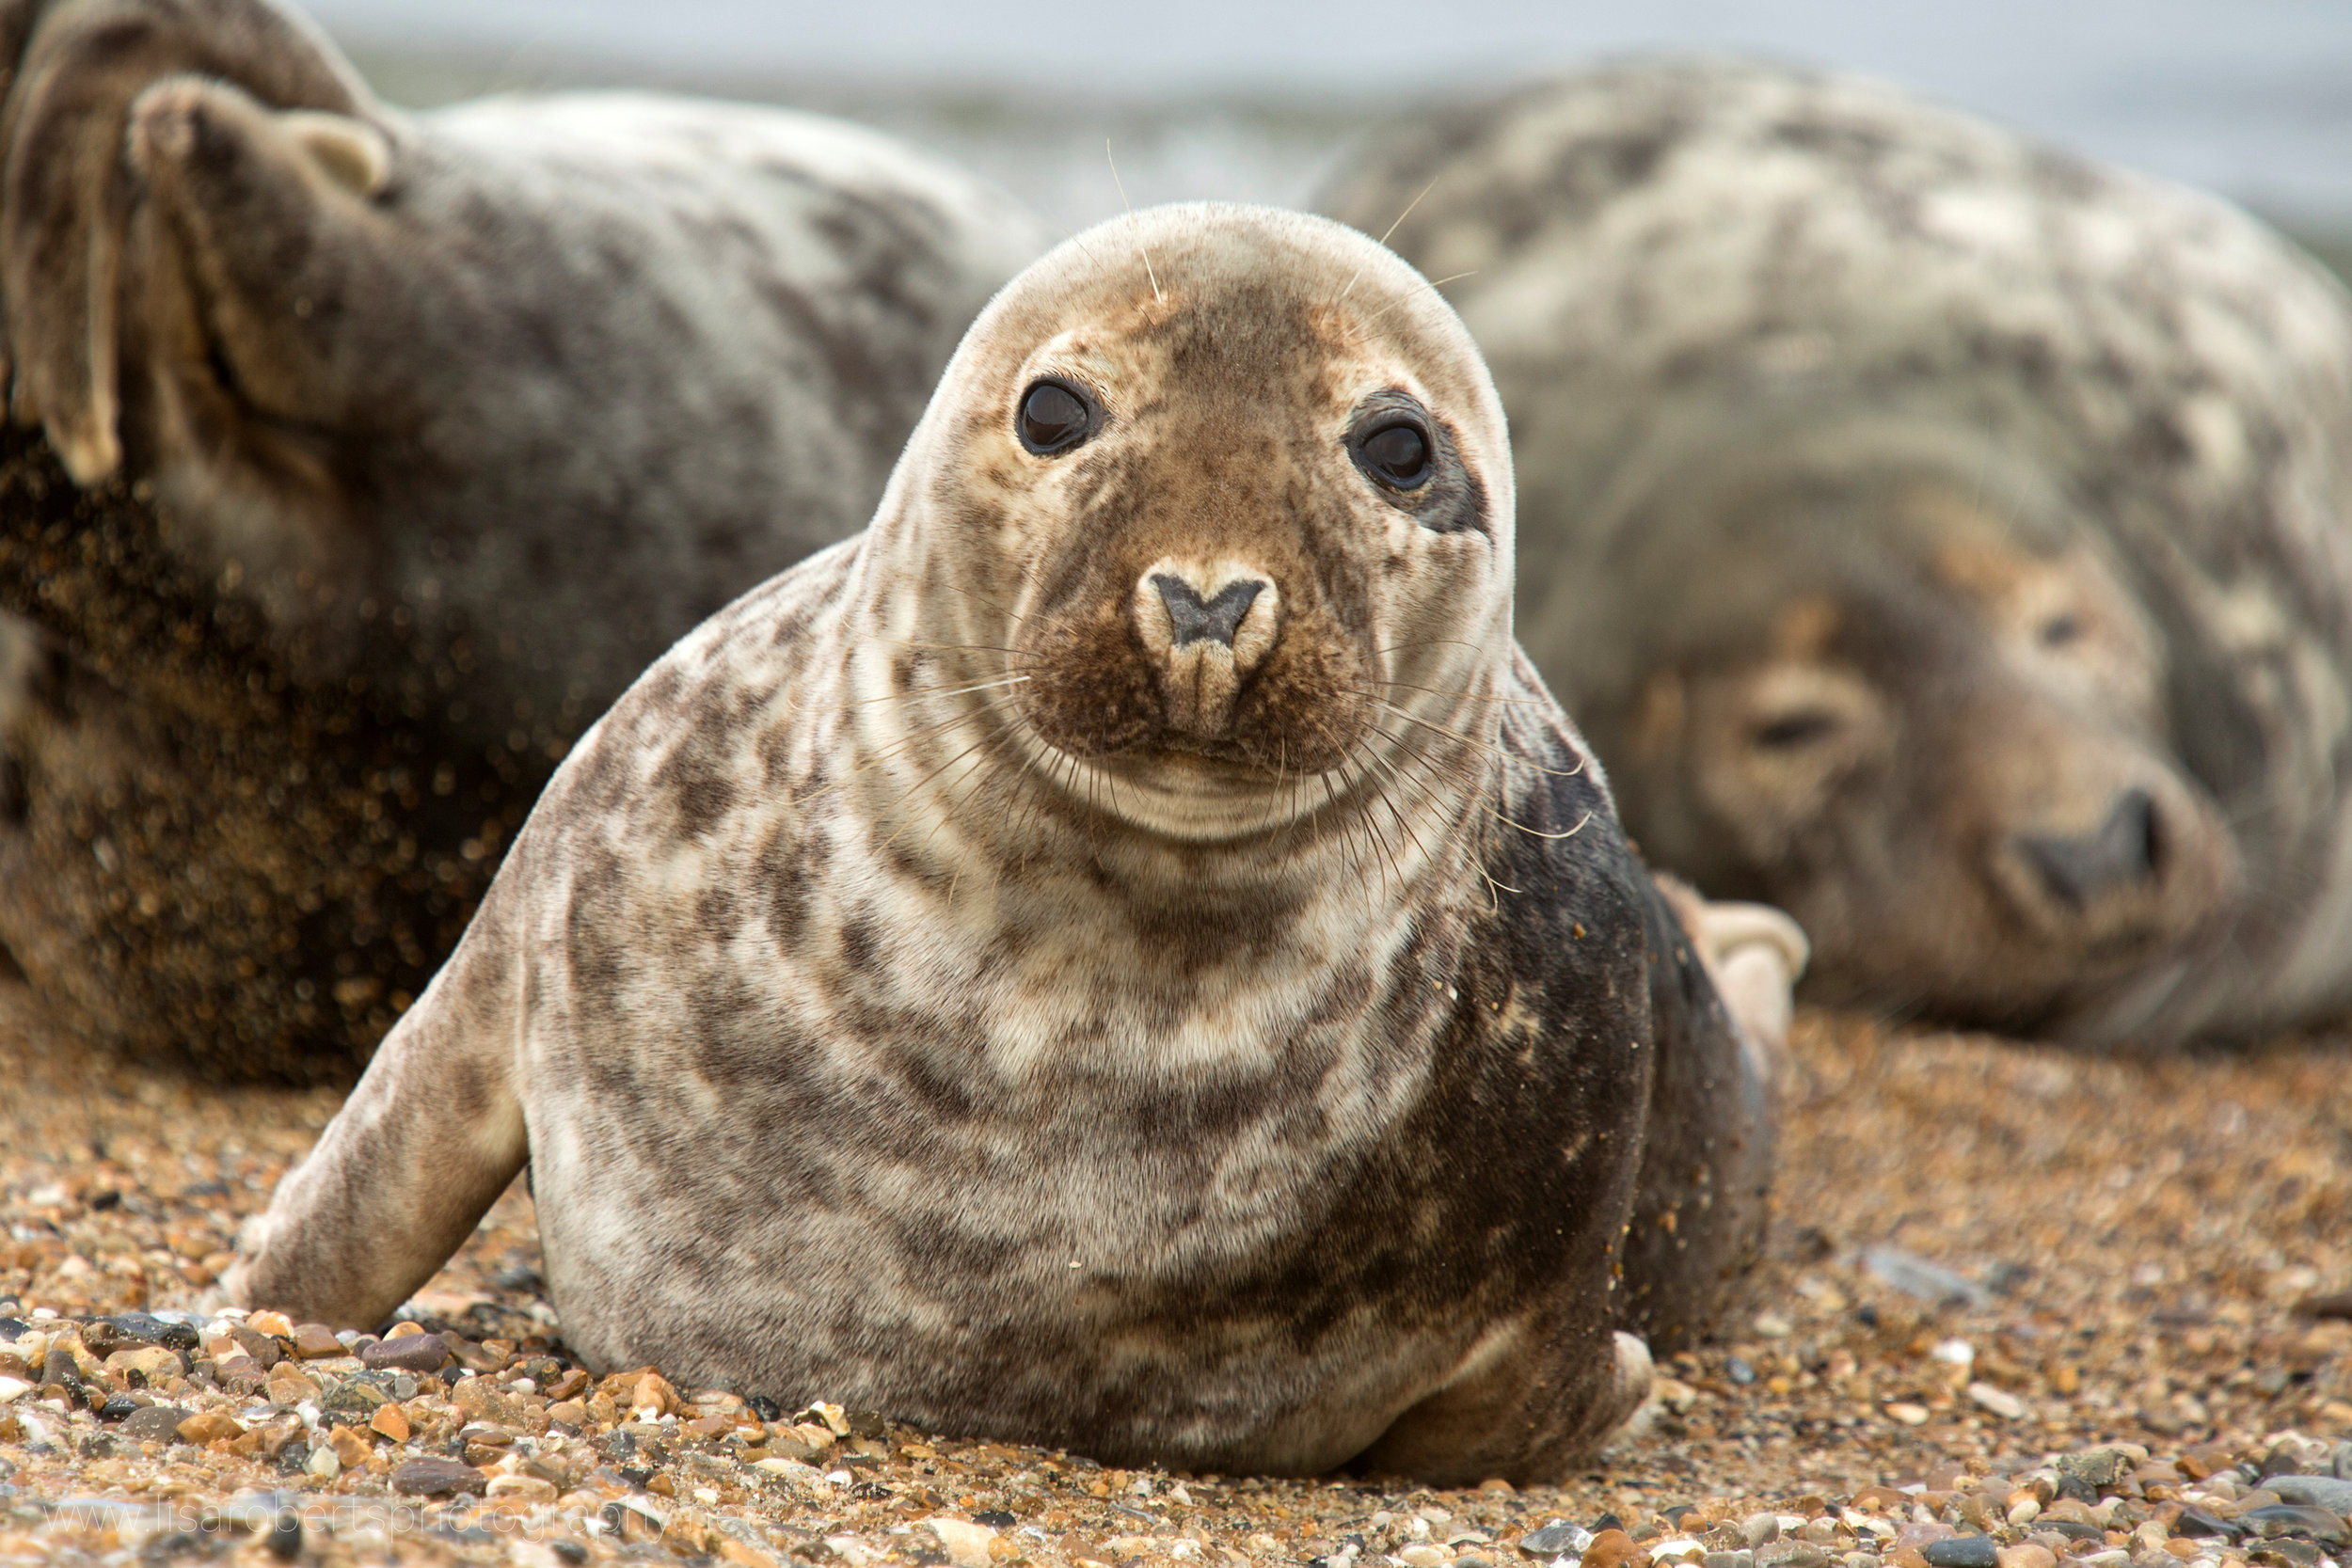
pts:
[1125, 953]
[405, 444]
[1943, 537]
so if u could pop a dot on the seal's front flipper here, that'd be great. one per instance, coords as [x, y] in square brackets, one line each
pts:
[1755, 955]
[424, 1146]
[1527, 1404]
[68, 196]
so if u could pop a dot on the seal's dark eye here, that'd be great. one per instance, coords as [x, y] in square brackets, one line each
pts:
[1397, 456]
[1053, 417]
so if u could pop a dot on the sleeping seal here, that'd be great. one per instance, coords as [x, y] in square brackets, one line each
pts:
[1943, 538]
[1125, 953]
[407, 443]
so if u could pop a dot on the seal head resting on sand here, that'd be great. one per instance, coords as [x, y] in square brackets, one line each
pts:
[1944, 537]
[1125, 955]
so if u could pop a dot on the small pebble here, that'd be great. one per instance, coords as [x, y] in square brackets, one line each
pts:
[315, 1342]
[1609, 1548]
[410, 1353]
[157, 1423]
[437, 1478]
[1961, 1551]
[2000, 1401]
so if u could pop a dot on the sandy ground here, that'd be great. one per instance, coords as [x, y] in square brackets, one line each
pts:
[1987, 1255]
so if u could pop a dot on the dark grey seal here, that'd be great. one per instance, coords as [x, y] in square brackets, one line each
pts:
[1124, 955]
[403, 443]
[1943, 537]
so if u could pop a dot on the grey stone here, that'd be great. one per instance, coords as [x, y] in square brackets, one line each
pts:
[1552, 1540]
[2196, 1524]
[157, 1423]
[1917, 1277]
[2099, 1469]
[2311, 1524]
[1963, 1551]
[437, 1478]
[2313, 1491]
[410, 1353]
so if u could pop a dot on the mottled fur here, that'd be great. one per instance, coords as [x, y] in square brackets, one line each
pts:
[900, 998]
[465, 416]
[1943, 537]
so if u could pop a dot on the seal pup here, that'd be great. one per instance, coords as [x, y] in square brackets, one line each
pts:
[1123, 955]
[416, 438]
[1943, 537]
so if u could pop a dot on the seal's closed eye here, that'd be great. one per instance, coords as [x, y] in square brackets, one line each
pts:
[1054, 417]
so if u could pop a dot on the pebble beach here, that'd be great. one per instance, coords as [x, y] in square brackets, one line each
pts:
[2022, 1308]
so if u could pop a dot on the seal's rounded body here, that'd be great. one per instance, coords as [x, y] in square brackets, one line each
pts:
[1941, 537]
[409, 441]
[1122, 955]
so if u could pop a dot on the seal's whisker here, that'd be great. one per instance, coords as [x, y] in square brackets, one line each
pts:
[994, 734]
[886, 754]
[1393, 228]
[1437, 779]
[1465, 693]
[1434, 284]
[946, 648]
[1583, 822]
[927, 691]
[1429, 787]
[1434, 771]
[1473, 740]
[1001, 609]
[1334, 801]
[1443, 774]
[1069, 235]
[924, 781]
[1156, 297]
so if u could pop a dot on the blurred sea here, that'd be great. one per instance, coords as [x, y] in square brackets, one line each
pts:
[1253, 98]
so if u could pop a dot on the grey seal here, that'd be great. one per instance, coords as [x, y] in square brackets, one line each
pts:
[1943, 537]
[398, 445]
[1125, 953]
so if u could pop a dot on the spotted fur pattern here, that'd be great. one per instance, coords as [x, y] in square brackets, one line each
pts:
[461, 417]
[1123, 1089]
[1808, 375]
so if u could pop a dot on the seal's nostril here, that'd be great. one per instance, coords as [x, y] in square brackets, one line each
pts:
[1192, 618]
[2122, 853]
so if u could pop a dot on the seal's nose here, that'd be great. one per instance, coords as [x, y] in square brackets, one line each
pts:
[1191, 618]
[2121, 854]
[1208, 624]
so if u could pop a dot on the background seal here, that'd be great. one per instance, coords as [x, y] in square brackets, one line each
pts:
[404, 444]
[1943, 538]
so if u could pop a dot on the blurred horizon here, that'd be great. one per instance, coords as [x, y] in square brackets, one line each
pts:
[1252, 101]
